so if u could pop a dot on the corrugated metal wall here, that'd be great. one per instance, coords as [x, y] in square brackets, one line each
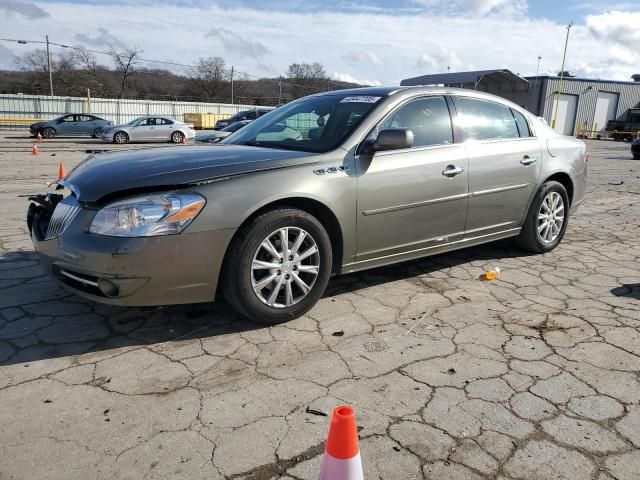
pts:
[587, 92]
[118, 111]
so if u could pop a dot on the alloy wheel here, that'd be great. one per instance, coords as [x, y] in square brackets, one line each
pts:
[121, 137]
[285, 267]
[551, 217]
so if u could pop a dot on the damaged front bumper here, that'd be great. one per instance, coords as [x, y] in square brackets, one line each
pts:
[139, 271]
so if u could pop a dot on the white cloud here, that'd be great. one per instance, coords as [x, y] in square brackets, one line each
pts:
[103, 39]
[477, 7]
[345, 77]
[7, 59]
[403, 46]
[438, 60]
[234, 43]
[21, 8]
[362, 57]
[616, 27]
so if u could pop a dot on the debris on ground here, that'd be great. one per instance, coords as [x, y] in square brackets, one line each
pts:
[492, 273]
[315, 412]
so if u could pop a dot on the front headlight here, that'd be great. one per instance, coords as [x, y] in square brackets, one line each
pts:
[148, 216]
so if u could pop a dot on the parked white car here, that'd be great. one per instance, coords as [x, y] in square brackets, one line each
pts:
[149, 129]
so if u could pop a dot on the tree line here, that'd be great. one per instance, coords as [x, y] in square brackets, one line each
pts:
[210, 79]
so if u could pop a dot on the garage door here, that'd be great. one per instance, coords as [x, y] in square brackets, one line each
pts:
[566, 116]
[606, 107]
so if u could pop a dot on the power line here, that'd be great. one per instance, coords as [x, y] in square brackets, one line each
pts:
[163, 62]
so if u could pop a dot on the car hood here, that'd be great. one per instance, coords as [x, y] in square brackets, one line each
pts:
[110, 173]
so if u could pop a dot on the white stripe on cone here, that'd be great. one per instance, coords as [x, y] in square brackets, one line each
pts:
[338, 469]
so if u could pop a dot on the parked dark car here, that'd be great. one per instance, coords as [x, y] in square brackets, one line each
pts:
[625, 129]
[635, 149]
[216, 135]
[72, 124]
[244, 115]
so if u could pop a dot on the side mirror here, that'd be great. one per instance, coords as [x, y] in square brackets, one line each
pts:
[389, 139]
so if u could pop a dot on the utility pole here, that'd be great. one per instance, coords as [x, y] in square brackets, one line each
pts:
[232, 85]
[564, 56]
[280, 91]
[49, 66]
[538, 68]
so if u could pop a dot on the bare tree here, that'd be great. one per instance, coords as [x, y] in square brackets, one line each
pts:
[125, 63]
[210, 76]
[93, 74]
[306, 78]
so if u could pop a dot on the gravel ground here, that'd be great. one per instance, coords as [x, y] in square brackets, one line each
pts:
[533, 376]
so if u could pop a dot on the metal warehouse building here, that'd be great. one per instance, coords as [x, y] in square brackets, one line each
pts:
[583, 104]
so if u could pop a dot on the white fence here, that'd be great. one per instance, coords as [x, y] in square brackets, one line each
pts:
[116, 110]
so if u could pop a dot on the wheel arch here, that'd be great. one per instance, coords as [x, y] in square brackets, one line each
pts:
[564, 179]
[312, 206]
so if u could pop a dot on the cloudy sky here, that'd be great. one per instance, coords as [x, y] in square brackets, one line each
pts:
[374, 41]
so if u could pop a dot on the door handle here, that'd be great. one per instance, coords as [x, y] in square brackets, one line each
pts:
[452, 171]
[527, 160]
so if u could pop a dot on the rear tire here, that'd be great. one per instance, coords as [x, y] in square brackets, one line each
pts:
[248, 283]
[96, 133]
[176, 137]
[49, 133]
[121, 138]
[636, 156]
[546, 220]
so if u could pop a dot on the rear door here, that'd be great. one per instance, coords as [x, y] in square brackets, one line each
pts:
[164, 128]
[86, 124]
[412, 199]
[504, 164]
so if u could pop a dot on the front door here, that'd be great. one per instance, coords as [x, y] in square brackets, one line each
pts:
[144, 131]
[414, 198]
[504, 164]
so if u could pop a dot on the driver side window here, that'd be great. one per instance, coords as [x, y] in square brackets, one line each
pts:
[428, 118]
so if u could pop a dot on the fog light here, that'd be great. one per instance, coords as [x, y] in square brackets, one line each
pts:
[108, 288]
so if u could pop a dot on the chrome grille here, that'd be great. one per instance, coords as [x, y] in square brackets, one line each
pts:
[65, 212]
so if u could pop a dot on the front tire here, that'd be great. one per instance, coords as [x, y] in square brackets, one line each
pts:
[120, 138]
[636, 156]
[278, 266]
[546, 220]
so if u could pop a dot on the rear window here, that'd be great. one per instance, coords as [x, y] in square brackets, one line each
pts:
[522, 124]
[486, 120]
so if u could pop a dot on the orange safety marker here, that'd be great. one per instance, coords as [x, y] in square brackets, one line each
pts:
[34, 150]
[61, 171]
[341, 459]
[184, 140]
[39, 137]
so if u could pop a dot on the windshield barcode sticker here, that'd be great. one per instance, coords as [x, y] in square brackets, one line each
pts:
[360, 99]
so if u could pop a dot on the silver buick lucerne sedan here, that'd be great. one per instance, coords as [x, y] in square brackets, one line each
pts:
[328, 184]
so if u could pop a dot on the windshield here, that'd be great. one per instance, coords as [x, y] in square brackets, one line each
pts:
[312, 124]
[134, 121]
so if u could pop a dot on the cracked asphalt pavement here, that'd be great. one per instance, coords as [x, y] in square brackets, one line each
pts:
[532, 376]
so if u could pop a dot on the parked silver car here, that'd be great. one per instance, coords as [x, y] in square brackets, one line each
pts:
[150, 128]
[328, 184]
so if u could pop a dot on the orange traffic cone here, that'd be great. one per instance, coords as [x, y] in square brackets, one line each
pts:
[341, 459]
[34, 150]
[184, 140]
[61, 171]
[39, 137]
